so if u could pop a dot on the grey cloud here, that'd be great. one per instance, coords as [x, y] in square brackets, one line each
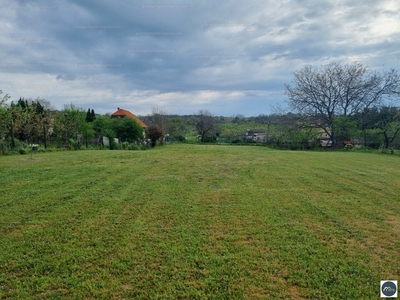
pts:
[100, 52]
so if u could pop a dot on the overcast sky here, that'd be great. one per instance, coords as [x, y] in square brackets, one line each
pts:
[184, 55]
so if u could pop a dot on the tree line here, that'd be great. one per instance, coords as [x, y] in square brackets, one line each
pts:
[34, 121]
[344, 101]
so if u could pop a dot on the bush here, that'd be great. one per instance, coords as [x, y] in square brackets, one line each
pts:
[133, 147]
[22, 151]
[384, 150]
[209, 139]
[180, 138]
[17, 143]
[125, 145]
[4, 148]
[154, 133]
[116, 146]
[73, 145]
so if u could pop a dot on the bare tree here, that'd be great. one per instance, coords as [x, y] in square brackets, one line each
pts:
[336, 90]
[205, 124]
[160, 118]
[154, 133]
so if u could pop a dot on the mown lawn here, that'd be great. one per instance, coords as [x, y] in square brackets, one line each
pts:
[199, 222]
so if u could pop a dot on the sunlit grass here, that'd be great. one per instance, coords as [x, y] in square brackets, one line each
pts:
[193, 221]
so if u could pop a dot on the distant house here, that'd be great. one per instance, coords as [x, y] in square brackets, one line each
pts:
[122, 113]
[325, 143]
[258, 136]
[322, 133]
[324, 137]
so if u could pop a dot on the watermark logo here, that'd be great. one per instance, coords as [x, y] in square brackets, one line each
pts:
[159, 33]
[219, 56]
[97, 27]
[388, 288]
[164, 6]
[151, 51]
[228, 24]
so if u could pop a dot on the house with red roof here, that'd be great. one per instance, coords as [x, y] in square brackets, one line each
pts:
[121, 113]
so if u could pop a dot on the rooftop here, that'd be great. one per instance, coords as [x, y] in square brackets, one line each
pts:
[120, 113]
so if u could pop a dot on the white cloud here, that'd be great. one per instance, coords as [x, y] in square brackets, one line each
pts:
[226, 56]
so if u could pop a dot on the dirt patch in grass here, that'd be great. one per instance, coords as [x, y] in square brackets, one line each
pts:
[394, 222]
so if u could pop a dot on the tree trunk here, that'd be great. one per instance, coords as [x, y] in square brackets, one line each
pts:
[365, 138]
[68, 139]
[333, 140]
[44, 136]
[12, 135]
[386, 140]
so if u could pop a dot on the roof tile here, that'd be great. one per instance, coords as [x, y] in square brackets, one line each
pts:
[123, 112]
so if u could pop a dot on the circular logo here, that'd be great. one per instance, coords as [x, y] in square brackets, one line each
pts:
[388, 289]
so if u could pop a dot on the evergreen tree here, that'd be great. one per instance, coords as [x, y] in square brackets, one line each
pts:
[93, 115]
[39, 109]
[23, 104]
[90, 116]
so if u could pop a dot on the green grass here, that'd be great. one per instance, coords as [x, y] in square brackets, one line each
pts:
[199, 222]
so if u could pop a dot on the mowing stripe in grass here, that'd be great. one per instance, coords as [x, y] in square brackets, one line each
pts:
[192, 221]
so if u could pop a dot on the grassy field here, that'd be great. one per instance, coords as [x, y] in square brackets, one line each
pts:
[199, 222]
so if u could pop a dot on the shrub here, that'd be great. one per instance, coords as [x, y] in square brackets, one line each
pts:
[73, 145]
[4, 148]
[125, 146]
[22, 151]
[116, 146]
[17, 143]
[384, 150]
[209, 139]
[154, 133]
[133, 147]
[180, 138]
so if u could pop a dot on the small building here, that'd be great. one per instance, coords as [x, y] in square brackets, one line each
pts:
[324, 138]
[258, 136]
[121, 113]
[325, 143]
[324, 134]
